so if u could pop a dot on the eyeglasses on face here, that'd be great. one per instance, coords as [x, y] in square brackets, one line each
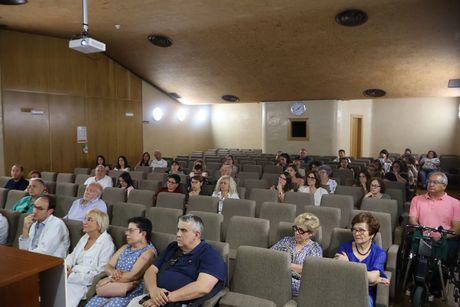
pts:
[435, 182]
[311, 177]
[171, 182]
[39, 208]
[359, 230]
[299, 230]
[375, 186]
[132, 230]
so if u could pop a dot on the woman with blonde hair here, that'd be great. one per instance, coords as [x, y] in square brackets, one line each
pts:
[225, 188]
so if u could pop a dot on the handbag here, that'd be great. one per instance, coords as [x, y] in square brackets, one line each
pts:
[112, 289]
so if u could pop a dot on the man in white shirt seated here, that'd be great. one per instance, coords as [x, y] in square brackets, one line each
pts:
[91, 199]
[101, 178]
[158, 161]
[43, 232]
[3, 229]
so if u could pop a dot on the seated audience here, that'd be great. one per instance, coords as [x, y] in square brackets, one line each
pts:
[230, 161]
[300, 169]
[199, 169]
[145, 160]
[196, 183]
[122, 164]
[125, 182]
[89, 257]
[172, 185]
[341, 154]
[100, 160]
[17, 181]
[158, 161]
[284, 185]
[407, 153]
[35, 189]
[324, 172]
[225, 170]
[300, 246]
[3, 229]
[364, 180]
[363, 250]
[377, 189]
[101, 178]
[175, 168]
[127, 265]
[313, 186]
[297, 180]
[314, 166]
[225, 188]
[284, 160]
[375, 169]
[428, 164]
[385, 160]
[345, 165]
[187, 273]
[34, 174]
[398, 172]
[91, 200]
[43, 232]
[303, 156]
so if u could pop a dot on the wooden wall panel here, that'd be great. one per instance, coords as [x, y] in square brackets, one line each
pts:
[26, 136]
[66, 113]
[135, 84]
[100, 79]
[129, 130]
[121, 80]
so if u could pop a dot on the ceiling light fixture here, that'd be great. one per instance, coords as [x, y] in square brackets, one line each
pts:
[374, 92]
[13, 2]
[351, 18]
[160, 40]
[230, 98]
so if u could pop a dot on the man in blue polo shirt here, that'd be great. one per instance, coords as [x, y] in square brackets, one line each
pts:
[188, 271]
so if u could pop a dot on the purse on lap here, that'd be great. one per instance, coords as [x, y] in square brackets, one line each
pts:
[112, 289]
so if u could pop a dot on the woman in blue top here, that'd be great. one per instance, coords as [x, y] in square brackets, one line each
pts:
[363, 250]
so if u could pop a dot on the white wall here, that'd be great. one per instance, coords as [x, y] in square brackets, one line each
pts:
[237, 125]
[169, 135]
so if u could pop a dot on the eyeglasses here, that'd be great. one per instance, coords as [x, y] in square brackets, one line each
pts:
[299, 230]
[375, 186]
[132, 230]
[435, 182]
[311, 177]
[39, 208]
[359, 230]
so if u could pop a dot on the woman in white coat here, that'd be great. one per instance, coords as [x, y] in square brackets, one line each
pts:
[89, 257]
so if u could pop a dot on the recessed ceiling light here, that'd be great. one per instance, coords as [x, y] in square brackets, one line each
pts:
[13, 2]
[230, 98]
[160, 40]
[351, 18]
[374, 92]
[454, 83]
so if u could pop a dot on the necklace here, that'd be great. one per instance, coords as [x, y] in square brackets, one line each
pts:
[365, 253]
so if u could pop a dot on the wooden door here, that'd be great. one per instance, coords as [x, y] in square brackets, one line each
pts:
[356, 135]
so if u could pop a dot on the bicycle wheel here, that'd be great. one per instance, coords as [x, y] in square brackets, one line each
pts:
[419, 298]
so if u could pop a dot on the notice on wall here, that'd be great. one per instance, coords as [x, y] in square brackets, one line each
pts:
[81, 135]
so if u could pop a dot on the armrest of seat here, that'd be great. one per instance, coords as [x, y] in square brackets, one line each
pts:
[397, 237]
[215, 299]
[92, 290]
[392, 258]
[290, 303]
[382, 298]
[233, 299]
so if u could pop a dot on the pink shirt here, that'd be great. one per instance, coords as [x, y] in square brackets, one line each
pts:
[435, 213]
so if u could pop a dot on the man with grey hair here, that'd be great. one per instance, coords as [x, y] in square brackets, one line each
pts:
[158, 161]
[189, 271]
[91, 199]
[101, 178]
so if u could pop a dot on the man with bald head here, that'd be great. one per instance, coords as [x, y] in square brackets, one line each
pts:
[158, 161]
[91, 199]
[17, 181]
[101, 178]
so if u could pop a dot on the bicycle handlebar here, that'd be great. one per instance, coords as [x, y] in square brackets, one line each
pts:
[440, 229]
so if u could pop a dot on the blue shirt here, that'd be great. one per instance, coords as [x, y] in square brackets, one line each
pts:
[202, 259]
[21, 184]
[78, 210]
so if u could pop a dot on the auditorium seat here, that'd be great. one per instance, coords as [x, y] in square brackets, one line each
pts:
[271, 178]
[285, 230]
[242, 176]
[142, 197]
[276, 213]
[81, 170]
[329, 218]
[273, 169]
[3, 197]
[203, 203]
[4, 180]
[212, 224]
[343, 174]
[122, 212]
[49, 176]
[300, 200]
[63, 204]
[160, 169]
[81, 178]
[65, 177]
[244, 230]
[241, 192]
[115, 174]
[249, 287]
[236, 207]
[114, 195]
[66, 189]
[13, 221]
[118, 234]
[152, 185]
[163, 219]
[81, 190]
[12, 197]
[156, 176]
[250, 184]
[253, 168]
[397, 194]
[75, 232]
[170, 200]
[50, 187]
[19, 229]
[397, 185]
[161, 240]
[356, 192]
[262, 195]
[144, 169]
[382, 205]
[343, 202]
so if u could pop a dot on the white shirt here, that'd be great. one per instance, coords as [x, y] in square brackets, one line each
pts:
[317, 195]
[105, 182]
[3, 229]
[221, 199]
[158, 163]
[53, 240]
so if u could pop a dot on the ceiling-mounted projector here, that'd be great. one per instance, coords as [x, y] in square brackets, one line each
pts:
[83, 42]
[87, 45]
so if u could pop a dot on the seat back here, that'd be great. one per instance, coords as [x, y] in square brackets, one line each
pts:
[398, 195]
[163, 219]
[343, 202]
[342, 235]
[343, 174]
[13, 221]
[81, 190]
[65, 177]
[118, 234]
[75, 232]
[66, 189]
[285, 230]
[114, 195]
[382, 205]
[122, 212]
[250, 184]
[152, 185]
[171, 200]
[19, 229]
[49, 176]
[3, 197]
[236, 207]
[157, 176]
[356, 192]
[385, 231]
[397, 185]
[275, 285]
[144, 169]
[212, 224]
[273, 169]
[142, 197]
[4, 180]
[242, 176]
[63, 204]
[300, 200]
[329, 282]
[253, 168]
[138, 176]
[50, 187]
[81, 170]
[263, 195]
[203, 203]
[271, 178]
[13, 197]
[81, 178]
[161, 240]
[329, 218]
[276, 213]
[250, 231]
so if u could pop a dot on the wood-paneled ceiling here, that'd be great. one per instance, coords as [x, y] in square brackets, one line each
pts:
[267, 50]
